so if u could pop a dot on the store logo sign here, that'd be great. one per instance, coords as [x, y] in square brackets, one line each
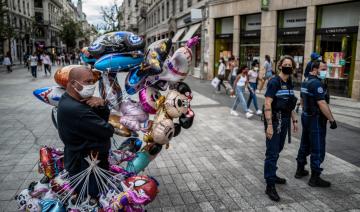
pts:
[265, 5]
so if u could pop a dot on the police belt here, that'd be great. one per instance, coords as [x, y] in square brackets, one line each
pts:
[277, 117]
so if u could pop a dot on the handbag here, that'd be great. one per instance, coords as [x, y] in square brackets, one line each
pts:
[221, 77]
[215, 82]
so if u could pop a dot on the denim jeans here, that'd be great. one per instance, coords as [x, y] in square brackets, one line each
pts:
[240, 98]
[33, 71]
[252, 96]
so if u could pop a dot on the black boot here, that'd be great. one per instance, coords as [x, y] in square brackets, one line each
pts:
[301, 172]
[272, 193]
[280, 180]
[316, 181]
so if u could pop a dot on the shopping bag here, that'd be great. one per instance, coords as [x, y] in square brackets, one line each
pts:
[215, 82]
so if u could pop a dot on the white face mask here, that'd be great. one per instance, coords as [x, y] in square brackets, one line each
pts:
[87, 91]
[256, 68]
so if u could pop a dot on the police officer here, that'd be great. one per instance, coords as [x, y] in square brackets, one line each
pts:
[315, 114]
[280, 102]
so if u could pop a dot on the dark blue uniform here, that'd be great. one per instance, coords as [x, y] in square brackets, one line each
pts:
[283, 97]
[313, 124]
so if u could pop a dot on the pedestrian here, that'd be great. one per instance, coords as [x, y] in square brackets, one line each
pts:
[33, 59]
[267, 72]
[221, 74]
[233, 74]
[62, 57]
[314, 57]
[40, 62]
[84, 128]
[253, 77]
[280, 103]
[7, 62]
[316, 113]
[239, 85]
[47, 63]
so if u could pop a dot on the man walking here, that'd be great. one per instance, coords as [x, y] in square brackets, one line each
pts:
[314, 118]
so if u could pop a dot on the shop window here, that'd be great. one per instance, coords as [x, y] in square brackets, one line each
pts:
[250, 39]
[38, 3]
[173, 7]
[181, 6]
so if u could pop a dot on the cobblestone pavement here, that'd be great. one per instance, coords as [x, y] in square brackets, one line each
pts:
[217, 165]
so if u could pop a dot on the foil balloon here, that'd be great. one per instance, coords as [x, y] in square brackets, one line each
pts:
[131, 144]
[110, 90]
[120, 129]
[120, 156]
[61, 76]
[142, 184]
[121, 41]
[38, 189]
[60, 184]
[133, 115]
[105, 199]
[51, 205]
[119, 62]
[33, 205]
[139, 163]
[134, 82]
[49, 95]
[22, 198]
[176, 104]
[176, 68]
[148, 98]
[186, 120]
[46, 162]
[155, 56]
[86, 56]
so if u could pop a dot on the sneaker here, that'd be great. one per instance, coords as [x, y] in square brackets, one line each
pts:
[250, 111]
[248, 115]
[258, 112]
[234, 113]
[232, 96]
[317, 181]
[217, 92]
[301, 172]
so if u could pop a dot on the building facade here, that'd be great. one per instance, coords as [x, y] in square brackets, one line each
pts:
[19, 14]
[176, 19]
[130, 15]
[252, 29]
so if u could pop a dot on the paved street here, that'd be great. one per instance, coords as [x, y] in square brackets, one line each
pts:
[217, 165]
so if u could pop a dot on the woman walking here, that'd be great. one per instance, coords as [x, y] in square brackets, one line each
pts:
[221, 74]
[33, 63]
[234, 71]
[239, 88]
[7, 62]
[253, 77]
[268, 72]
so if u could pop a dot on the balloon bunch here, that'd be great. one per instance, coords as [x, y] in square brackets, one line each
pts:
[162, 110]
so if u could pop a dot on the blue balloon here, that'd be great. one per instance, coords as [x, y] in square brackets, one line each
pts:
[119, 62]
[49, 95]
[133, 81]
[139, 163]
[87, 59]
[131, 144]
[51, 205]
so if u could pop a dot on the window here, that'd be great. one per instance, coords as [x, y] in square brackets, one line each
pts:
[167, 9]
[181, 6]
[38, 3]
[158, 15]
[163, 12]
[28, 8]
[173, 7]
[189, 3]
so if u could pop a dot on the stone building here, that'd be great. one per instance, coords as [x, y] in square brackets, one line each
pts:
[19, 13]
[252, 29]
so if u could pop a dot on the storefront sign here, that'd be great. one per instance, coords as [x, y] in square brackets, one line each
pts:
[253, 22]
[224, 36]
[250, 34]
[340, 15]
[294, 18]
[337, 30]
[291, 31]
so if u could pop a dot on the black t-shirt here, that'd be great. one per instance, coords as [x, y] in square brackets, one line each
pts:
[312, 90]
[82, 129]
[280, 92]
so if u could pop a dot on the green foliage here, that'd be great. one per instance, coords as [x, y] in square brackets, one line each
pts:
[71, 30]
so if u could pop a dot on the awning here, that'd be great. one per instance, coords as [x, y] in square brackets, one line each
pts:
[191, 32]
[178, 35]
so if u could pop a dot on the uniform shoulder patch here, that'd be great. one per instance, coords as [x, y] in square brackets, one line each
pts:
[320, 90]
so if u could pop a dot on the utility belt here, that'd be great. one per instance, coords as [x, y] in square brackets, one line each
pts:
[278, 117]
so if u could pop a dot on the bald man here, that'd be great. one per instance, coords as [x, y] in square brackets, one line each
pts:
[83, 125]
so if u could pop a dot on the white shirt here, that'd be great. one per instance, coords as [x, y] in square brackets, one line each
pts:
[33, 60]
[7, 61]
[241, 82]
[221, 70]
[234, 71]
[46, 60]
[252, 76]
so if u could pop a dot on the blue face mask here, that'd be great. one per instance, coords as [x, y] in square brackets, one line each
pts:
[322, 75]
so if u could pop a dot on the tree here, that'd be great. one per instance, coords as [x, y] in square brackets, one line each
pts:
[71, 30]
[112, 17]
[7, 31]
